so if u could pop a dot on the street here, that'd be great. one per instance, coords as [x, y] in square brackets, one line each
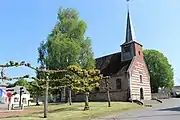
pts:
[3, 107]
[168, 110]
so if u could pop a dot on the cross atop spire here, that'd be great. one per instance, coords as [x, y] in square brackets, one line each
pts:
[130, 34]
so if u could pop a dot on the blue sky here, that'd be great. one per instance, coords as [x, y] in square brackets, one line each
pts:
[24, 24]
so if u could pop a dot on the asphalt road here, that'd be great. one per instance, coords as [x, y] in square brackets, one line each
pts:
[3, 107]
[168, 110]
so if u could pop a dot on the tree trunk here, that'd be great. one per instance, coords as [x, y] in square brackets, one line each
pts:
[60, 96]
[66, 95]
[86, 107]
[109, 99]
[46, 100]
[37, 98]
[69, 97]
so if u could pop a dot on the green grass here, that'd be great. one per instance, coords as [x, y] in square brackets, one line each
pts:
[75, 111]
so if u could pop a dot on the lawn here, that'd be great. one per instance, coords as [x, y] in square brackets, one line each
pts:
[75, 111]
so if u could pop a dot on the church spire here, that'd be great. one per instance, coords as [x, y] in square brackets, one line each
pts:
[130, 48]
[130, 34]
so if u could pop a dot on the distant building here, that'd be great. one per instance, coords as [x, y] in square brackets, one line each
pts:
[25, 97]
[175, 91]
[15, 99]
[129, 74]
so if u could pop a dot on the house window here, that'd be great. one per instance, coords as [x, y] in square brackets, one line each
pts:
[118, 83]
[139, 52]
[24, 101]
[141, 79]
[16, 99]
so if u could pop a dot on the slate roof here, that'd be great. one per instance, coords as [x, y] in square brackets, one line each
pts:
[130, 34]
[111, 65]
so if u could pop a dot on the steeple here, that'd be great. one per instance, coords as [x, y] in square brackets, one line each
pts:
[130, 34]
[130, 48]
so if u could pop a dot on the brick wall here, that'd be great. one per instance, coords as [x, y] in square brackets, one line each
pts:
[139, 68]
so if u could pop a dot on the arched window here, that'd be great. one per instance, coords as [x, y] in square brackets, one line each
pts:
[118, 83]
[141, 79]
[141, 94]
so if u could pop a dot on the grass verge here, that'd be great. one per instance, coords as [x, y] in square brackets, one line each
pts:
[75, 111]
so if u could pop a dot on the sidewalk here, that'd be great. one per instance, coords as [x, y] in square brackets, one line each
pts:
[17, 113]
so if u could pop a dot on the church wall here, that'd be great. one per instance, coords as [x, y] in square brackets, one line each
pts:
[102, 96]
[139, 68]
[115, 94]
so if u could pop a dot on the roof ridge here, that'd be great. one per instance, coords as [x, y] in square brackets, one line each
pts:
[108, 55]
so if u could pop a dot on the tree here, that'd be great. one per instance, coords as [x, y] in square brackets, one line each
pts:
[85, 81]
[107, 88]
[35, 91]
[30, 86]
[69, 82]
[22, 82]
[161, 72]
[66, 44]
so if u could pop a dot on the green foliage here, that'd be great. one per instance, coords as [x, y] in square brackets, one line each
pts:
[66, 45]
[84, 80]
[22, 82]
[30, 86]
[161, 72]
[63, 53]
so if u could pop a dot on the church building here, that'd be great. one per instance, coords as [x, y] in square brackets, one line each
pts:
[128, 71]
[129, 76]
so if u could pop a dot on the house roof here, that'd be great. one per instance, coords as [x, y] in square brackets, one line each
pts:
[111, 65]
[17, 89]
[2, 84]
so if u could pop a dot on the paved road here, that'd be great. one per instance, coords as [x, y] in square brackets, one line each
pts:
[168, 110]
[3, 107]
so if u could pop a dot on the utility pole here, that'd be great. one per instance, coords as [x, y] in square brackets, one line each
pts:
[46, 98]
[21, 91]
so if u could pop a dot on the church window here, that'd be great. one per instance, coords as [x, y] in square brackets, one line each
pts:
[118, 83]
[139, 53]
[141, 79]
[127, 49]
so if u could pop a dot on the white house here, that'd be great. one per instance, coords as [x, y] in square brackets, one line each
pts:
[15, 99]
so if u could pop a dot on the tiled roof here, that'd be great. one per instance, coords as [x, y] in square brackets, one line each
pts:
[111, 65]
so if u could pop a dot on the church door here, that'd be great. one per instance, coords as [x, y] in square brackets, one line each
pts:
[141, 94]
